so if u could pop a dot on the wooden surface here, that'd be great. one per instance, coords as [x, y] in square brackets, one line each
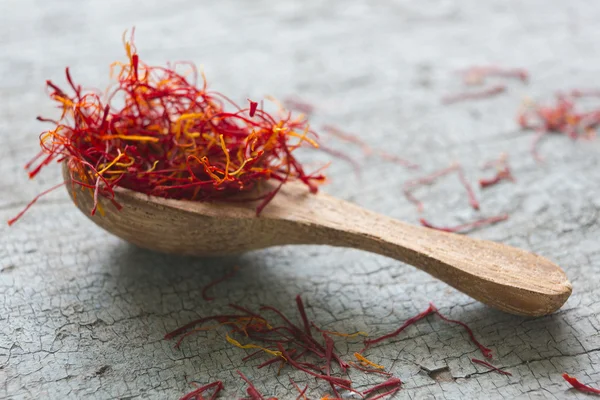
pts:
[501, 276]
[83, 313]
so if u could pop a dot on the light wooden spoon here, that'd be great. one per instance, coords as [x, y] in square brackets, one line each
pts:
[500, 276]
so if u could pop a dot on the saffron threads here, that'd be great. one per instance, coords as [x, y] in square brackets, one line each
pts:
[476, 75]
[300, 306]
[253, 107]
[368, 150]
[300, 391]
[369, 342]
[341, 382]
[368, 370]
[490, 366]
[475, 95]
[216, 282]
[295, 346]
[251, 390]
[341, 334]
[429, 180]
[503, 172]
[563, 117]
[363, 360]
[470, 194]
[578, 385]
[158, 132]
[296, 104]
[32, 202]
[336, 153]
[466, 227]
[393, 383]
[487, 353]
[197, 394]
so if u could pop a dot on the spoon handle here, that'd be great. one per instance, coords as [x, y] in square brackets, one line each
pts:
[501, 276]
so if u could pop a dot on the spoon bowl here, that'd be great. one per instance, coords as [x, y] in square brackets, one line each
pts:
[503, 277]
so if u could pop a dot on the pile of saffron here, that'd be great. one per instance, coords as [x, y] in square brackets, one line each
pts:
[564, 117]
[156, 131]
[307, 348]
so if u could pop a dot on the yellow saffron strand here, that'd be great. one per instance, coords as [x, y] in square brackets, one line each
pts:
[347, 335]
[137, 138]
[252, 346]
[113, 162]
[227, 160]
[363, 360]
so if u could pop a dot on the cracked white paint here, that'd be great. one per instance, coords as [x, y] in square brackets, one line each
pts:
[83, 314]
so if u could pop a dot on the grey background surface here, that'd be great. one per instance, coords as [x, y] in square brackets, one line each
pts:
[82, 314]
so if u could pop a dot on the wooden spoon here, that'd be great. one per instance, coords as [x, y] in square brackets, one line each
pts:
[500, 276]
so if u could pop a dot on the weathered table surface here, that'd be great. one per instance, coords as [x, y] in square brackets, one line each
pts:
[83, 313]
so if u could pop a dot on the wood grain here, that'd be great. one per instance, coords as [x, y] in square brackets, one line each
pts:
[501, 276]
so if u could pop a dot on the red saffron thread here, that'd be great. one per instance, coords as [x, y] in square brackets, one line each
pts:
[341, 382]
[32, 202]
[295, 104]
[490, 366]
[301, 392]
[477, 74]
[487, 353]
[369, 342]
[368, 150]
[411, 185]
[503, 172]
[253, 107]
[578, 385]
[160, 134]
[216, 282]
[302, 312]
[466, 227]
[251, 390]
[343, 156]
[196, 394]
[393, 383]
[485, 93]
[470, 194]
[430, 310]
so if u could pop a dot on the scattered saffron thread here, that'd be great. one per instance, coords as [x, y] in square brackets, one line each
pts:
[197, 394]
[301, 392]
[393, 383]
[466, 227]
[341, 334]
[490, 366]
[363, 360]
[475, 95]
[487, 353]
[428, 180]
[32, 202]
[296, 104]
[251, 390]
[216, 282]
[503, 172]
[367, 150]
[477, 74]
[578, 385]
[369, 342]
